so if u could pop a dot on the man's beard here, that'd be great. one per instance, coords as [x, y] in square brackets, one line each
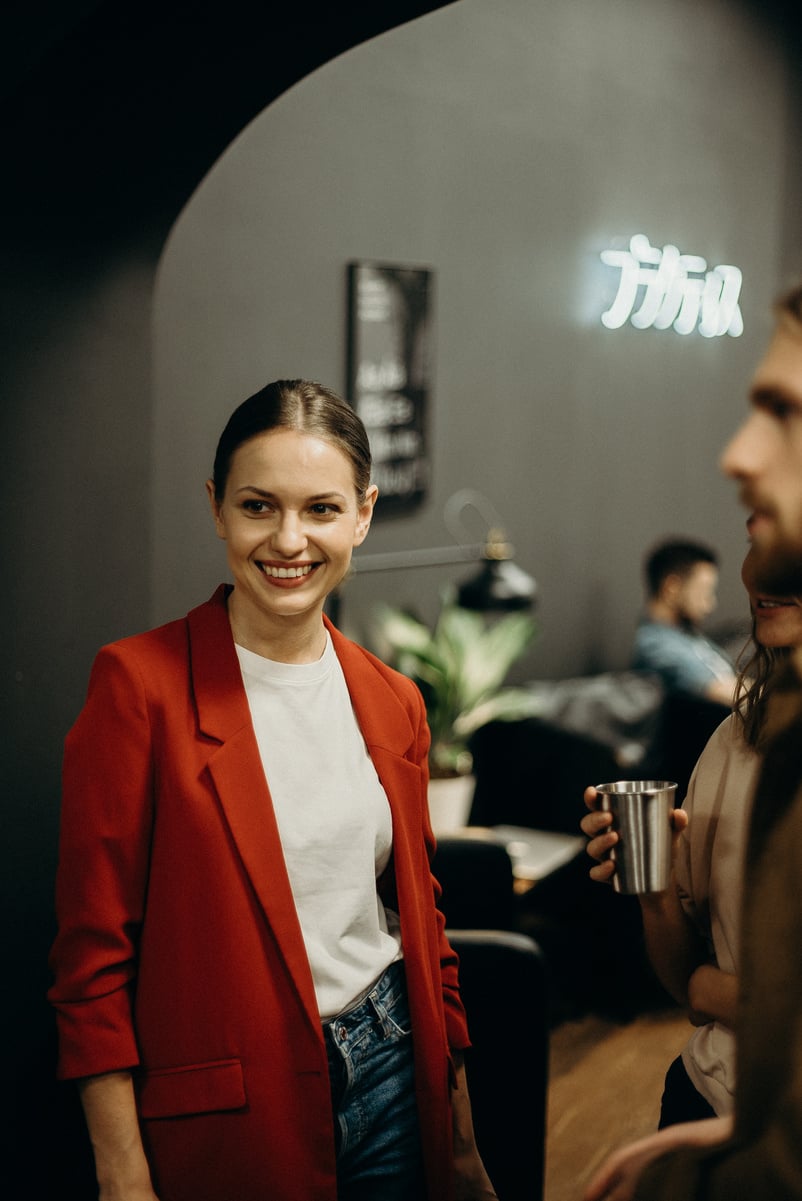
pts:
[778, 568]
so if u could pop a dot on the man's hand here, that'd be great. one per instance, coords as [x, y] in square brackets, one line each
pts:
[618, 1176]
[597, 826]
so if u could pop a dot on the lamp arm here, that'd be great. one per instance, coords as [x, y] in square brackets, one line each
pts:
[435, 556]
[501, 585]
[469, 498]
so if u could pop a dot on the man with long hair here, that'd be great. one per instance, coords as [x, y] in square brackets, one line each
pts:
[757, 1151]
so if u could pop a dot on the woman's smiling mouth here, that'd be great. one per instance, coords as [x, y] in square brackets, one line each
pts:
[289, 572]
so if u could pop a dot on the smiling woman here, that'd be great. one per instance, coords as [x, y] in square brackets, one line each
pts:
[252, 747]
[291, 497]
[290, 516]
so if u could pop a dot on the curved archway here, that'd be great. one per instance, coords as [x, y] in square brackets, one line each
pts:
[115, 122]
[111, 115]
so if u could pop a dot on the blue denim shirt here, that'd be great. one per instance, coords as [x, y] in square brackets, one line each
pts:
[685, 660]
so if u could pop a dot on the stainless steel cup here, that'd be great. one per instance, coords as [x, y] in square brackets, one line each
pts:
[641, 812]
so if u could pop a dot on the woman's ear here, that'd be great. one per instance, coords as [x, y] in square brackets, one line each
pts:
[217, 514]
[365, 515]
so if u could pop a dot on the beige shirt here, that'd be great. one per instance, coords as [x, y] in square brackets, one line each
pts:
[763, 1159]
[709, 879]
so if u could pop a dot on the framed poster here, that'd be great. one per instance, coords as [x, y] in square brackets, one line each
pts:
[389, 334]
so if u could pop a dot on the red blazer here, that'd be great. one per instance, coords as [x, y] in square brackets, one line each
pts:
[179, 952]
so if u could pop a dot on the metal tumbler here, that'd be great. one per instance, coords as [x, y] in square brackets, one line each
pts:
[641, 812]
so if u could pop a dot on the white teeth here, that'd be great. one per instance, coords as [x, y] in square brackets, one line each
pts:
[286, 573]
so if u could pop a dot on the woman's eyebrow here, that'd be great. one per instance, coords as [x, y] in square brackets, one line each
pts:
[268, 495]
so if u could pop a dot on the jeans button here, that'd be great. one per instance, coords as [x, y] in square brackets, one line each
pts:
[342, 1034]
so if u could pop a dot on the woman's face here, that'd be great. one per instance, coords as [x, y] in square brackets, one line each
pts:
[778, 619]
[290, 518]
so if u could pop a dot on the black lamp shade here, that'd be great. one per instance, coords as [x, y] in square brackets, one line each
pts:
[499, 585]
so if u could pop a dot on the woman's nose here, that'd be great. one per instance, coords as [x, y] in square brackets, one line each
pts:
[289, 537]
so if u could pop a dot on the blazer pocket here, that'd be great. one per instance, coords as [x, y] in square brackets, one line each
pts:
[198, 1088]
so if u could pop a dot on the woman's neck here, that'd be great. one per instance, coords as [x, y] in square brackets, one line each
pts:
[296, 639]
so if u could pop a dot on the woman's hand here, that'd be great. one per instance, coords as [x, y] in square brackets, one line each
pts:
[471, 1181]
[140, 1192]
[111, 1117]
[597, 825]
[618, 1176]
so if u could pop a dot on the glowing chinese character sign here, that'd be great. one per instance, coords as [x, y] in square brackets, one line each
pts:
[664, 289]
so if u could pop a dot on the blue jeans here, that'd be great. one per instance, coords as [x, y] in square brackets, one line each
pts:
[373, 1096]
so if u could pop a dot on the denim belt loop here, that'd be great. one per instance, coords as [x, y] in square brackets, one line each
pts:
[380, 1011]
[385, 992]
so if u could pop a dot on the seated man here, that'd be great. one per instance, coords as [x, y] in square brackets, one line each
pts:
[681, 579]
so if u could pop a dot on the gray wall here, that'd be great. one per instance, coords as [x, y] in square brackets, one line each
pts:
[504, 145]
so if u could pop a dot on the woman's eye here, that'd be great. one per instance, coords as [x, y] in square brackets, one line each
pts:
[255, 506]
[324, 510]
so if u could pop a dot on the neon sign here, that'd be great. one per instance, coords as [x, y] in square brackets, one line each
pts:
[673, 290]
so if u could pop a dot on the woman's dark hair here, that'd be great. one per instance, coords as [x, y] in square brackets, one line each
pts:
[755, 681]
[295, 404]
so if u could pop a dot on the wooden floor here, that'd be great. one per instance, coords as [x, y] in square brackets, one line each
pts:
[605, 1084]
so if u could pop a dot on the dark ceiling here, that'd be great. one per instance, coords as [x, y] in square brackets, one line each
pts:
[114, 111]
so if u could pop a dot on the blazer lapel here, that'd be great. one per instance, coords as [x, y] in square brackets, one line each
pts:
[390, 737]
[238, 776]
[236, 770]
[382, 718]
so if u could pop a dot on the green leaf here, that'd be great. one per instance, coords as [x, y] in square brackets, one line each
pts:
[460, 666]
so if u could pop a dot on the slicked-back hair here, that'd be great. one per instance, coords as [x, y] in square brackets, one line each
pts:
[295, 404]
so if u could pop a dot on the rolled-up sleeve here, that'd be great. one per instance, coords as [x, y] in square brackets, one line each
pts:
[101, 883]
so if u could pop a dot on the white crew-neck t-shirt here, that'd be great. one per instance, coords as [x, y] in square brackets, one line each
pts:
[333, 817]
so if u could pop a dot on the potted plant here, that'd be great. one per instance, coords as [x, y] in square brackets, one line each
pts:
[460, 666]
